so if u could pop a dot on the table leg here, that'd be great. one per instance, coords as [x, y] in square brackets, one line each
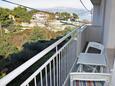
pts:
[81, 67]
[101, 69]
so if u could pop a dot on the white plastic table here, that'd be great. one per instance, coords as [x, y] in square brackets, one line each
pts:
[92, 59]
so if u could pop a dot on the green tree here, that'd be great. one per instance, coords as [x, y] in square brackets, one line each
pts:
[64, 15]
[5, 21]
[75, 16]
[37, 34]
[22, 14]
[6, 48]
[31, 12]
[14, 28]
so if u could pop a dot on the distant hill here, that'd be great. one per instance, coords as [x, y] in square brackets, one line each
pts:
[83, 14]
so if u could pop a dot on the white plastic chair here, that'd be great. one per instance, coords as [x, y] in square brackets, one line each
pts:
[95, 45]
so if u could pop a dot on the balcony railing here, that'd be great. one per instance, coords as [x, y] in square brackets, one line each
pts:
[55, 71]
[60, 59]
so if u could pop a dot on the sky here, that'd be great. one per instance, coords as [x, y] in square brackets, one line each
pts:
[38, 4]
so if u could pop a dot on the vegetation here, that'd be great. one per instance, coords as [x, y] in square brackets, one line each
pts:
[17, 45]
[24, 45]
[66, 16]
[5, 21]
[75, 16]
[21, 14]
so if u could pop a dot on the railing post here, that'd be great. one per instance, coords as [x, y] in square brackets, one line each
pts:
[54, 70]
[57, 64]
[74, 36]
[50, 74]
[113, 75]
[59, 69]
[78, 43]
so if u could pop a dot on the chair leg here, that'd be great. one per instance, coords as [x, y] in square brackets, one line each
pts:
[79, 68]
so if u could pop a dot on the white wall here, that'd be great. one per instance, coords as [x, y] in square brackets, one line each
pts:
[109, 24]
[98, 13]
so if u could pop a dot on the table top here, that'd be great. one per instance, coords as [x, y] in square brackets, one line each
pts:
[92, 59]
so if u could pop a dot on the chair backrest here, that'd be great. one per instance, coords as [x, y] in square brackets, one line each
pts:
[94, 79]
[95, 45]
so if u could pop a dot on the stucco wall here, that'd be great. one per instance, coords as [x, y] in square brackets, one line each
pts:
[91, 33]
[98, 13]
[109, 24]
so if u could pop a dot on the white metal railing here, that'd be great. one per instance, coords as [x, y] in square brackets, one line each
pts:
[55, 71]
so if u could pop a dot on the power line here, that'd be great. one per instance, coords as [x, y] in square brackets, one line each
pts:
[45, 11]
[85, 7]
[21, 5]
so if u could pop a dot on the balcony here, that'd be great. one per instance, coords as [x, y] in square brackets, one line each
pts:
[60, 62]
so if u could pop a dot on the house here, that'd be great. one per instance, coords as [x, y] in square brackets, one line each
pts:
[40, 17]
[25, 24]
[12, 17]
